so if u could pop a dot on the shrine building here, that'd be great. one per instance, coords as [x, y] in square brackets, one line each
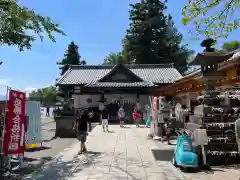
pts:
[189, 87]
[88, 85]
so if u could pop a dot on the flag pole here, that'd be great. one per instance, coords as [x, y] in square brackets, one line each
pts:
[4, 128]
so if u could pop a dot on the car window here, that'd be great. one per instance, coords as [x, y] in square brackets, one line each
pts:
[187, 146]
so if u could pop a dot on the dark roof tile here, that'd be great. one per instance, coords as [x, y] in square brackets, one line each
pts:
[151, 73]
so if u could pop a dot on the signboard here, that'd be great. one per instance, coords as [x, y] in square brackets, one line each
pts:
[33, 134]
[15, 124]
[155, 101]
[155, 108]
[200, 137]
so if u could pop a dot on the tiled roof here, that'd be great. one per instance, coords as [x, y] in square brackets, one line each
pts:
[120, 84]
[150, 73]
[233, 59]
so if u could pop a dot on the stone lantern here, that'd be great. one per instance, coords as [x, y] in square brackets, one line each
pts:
[208, 60]
[208, 118]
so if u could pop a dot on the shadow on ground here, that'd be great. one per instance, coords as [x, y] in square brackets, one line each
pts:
[64, 170]
[19, 174]
[48, 140]
[61, 170]
[37, 149]
[162, 154]
[111, 131]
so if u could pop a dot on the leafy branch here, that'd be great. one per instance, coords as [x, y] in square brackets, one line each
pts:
[20, 26]
[213, 18]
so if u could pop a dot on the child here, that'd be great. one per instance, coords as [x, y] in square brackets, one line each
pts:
[121, 115]
[105, 117]
[136, 116]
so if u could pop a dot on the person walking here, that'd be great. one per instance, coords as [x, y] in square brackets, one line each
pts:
[47, 111]
[105, 118]
[121, 115]
[91, 116]
[136, 116]
[81, 126]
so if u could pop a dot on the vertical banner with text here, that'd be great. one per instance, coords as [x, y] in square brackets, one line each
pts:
[15, 123]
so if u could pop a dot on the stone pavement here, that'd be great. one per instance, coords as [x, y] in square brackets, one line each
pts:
[122, 154]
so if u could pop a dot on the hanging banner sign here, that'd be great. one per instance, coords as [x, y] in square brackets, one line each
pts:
[155, 101]
[15, 124]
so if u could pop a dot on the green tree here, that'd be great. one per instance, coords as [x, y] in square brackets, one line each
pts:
[20, 26]
[231, 46]
[71, 57]
[113, 58]
[47, 96]
[83, 62]
[126, 51]
[212, 18]
[153, 38]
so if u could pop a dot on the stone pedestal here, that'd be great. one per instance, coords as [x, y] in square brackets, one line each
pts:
[64, 126]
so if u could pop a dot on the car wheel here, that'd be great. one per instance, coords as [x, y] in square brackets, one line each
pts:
[174, 162]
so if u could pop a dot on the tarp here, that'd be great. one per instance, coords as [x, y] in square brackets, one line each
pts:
[33, 135]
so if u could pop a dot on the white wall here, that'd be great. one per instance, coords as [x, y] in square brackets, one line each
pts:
[81, 100]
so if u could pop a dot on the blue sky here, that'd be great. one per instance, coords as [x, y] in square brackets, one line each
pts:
[97, 27]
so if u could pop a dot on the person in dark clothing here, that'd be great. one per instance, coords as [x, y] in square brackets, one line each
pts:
[91, 116]
[47, 111]
[81, 124]
[105, 118]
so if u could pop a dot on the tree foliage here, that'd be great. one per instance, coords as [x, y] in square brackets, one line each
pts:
[71, 57]
[126, 51]
[212, 18]
[113, 58]
[47, 96]
[123, 56]
[20, 26]
[153, 38]
[231, 46]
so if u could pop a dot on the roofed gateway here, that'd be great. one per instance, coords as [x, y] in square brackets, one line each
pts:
[118, 85]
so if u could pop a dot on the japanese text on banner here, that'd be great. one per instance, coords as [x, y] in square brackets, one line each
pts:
[15, 131]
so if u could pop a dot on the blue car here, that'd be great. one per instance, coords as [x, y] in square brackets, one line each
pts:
[183, 154]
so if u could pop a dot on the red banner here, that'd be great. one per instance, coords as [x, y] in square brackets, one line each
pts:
[15, 124]
[155, 101]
